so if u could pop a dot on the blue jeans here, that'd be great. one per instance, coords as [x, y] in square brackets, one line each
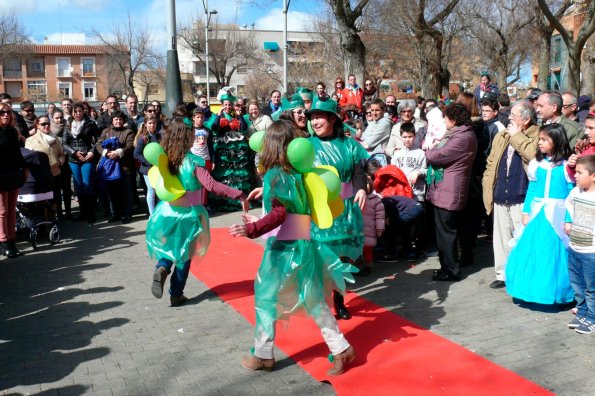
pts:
[151, 196]
[82, 174]
[178, 277]
[581, 270]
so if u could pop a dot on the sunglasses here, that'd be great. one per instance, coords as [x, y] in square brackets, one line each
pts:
[205, 102]
[300, 111]
[406, 111]
[4, 112]
[150, 111]
[28, 110]
[44, 123]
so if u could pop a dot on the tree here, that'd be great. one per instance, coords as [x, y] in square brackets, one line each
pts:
[14, 41]
[575, 44]
[353, 49]
[504, 40]
[129, 49]
[546, 30]
[229, 48]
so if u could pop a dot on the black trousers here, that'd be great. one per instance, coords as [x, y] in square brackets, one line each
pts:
[447, 222]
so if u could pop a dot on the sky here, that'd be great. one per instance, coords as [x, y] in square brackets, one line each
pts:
[65, 21]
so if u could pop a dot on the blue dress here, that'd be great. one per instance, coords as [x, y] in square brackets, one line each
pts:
[537, 268]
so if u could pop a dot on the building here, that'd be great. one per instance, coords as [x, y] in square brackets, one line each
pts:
[149, 85]
[558, 77]
[249, 60]
[48, 72]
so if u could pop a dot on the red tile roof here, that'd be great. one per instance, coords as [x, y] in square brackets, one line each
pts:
[64, 49]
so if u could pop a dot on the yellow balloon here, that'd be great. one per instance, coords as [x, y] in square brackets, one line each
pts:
[167, 186]
[318, 200]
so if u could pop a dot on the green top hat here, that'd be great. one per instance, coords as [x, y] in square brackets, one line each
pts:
[305, 93]
[227, 96]
[325, 105]
[294, 102]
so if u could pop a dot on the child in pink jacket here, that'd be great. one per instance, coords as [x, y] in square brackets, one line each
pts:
[373, 226]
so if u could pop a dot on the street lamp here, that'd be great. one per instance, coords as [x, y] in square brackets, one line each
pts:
[208, 14]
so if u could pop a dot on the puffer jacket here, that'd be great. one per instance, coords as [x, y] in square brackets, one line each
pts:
[455, 156]
[524, 143]
[49, 145]
[373, 218]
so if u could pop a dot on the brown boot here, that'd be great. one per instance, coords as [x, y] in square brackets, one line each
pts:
[177, 301]
[341, 360]
[159, 277]
[254, 363]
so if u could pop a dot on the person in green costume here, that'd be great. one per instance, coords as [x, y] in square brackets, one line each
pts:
[177, 231]
[332, 147]
[233, 165]
[296, 274]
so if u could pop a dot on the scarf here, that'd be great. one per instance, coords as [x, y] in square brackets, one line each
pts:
[75, 127]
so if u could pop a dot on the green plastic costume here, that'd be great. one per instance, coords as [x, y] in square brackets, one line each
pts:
[294, 275]
[234, 162]
[346, 236]
[180, 233]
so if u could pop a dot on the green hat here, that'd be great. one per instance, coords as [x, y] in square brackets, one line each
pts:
[293, 102]
[227, 96]
[325, 105]
[305, 93]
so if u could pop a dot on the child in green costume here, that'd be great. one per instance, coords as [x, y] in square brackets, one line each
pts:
[296, 274]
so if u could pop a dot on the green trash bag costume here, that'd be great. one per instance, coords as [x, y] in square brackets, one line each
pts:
[346, 236]
[180, 233]
[295, 276]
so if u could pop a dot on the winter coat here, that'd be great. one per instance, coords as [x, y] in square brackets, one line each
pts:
[395, 142]
[454, 156]
[373, 218]
[83, 142]
[352, 96]
[49, 145]
[126, 150]
[390, 180]
[376, 134]
[525, 144]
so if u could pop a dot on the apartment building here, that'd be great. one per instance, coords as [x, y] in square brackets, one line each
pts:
[48, 72]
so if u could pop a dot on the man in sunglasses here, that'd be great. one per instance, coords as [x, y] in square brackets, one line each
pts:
[28, 113]
[104, 121]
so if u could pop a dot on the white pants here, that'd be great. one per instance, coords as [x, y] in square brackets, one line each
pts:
[335, 340]
[506, 220]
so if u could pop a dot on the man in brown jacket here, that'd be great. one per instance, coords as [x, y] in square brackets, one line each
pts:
[505, 180]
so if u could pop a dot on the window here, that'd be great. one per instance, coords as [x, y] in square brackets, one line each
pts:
[89, 90]
[242, 70]
[153, 89]
[14, 89]
[12, 69]
[64, 68]
[200, 69]
[88, 65]
[557, 50]
[65, 89]
[36, 68]
[37, 90]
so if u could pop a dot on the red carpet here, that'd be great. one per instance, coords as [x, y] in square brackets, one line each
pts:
[394, 355]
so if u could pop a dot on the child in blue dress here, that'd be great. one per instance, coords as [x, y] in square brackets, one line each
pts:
[297, 273]
[537, 268]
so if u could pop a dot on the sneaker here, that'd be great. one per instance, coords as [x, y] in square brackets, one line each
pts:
[575, 322]
[388, 258]
[585, 327]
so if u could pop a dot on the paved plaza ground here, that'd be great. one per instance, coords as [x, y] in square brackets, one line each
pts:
[78, 318]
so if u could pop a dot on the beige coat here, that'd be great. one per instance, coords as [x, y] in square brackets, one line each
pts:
[53, 150]
[524, 143]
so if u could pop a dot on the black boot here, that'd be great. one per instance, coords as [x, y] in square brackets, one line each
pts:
[10, 250]
[91, 206]
[82, 208]
[67, 208]
[341, 311]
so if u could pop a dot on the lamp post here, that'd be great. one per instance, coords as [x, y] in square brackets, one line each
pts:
[173, 81]
[208, 14]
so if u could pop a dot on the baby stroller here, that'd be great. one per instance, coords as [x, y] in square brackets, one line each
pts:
[34, 209]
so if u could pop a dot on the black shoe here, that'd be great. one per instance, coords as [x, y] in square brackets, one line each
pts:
[9, 249]
[366, 271]
[445, 276]
[113, 219]
[497, 284]
[159, 277]
[341, 312]
[126, 220]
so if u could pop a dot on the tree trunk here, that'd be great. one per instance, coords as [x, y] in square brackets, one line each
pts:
[588, 69]
[353, 51]
[574, 69]
[501, 74]
[544, 60]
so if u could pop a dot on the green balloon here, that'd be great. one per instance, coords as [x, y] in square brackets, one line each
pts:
[300, 153]
[152, 152]
[332, 181]
[255, 141]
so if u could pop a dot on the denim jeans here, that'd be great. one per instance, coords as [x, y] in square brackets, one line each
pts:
[82, 174]
[581, 270]
[178, 276]
[151, 196]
